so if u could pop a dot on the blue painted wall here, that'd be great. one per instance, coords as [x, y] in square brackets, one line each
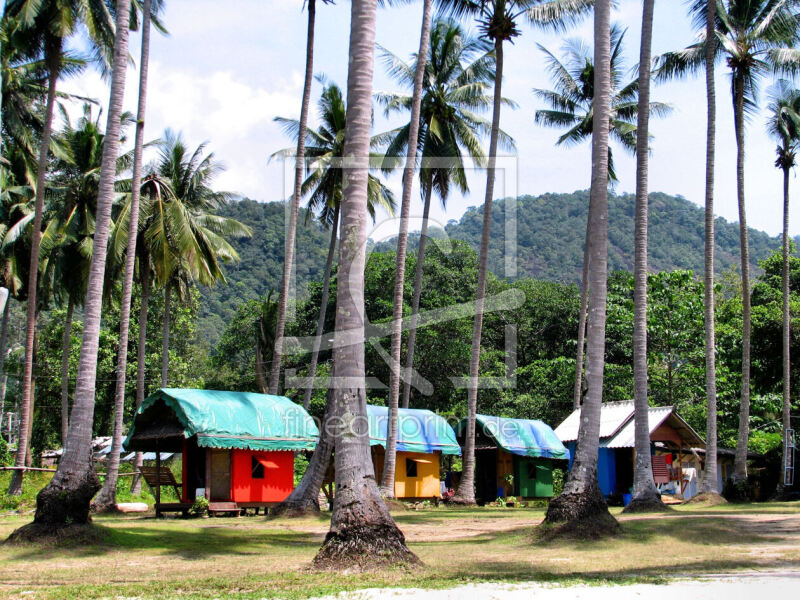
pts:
[606, 468]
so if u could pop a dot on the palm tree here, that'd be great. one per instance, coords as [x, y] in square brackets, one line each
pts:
[107, 498]
[784, 126]
[387, 482]
[324, 187]
[571, 106]
[47, 23]
[645, 494]
[708, 484]
[458, 72]
[362, 532]
[755, 37]
[498, 22]
[581, 505]
[324, 149]
[65, 500]
[299, 168]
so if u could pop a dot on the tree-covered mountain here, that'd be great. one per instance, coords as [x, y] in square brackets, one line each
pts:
[550, 231]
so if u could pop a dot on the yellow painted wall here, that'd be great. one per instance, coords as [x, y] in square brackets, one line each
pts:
[424, 485]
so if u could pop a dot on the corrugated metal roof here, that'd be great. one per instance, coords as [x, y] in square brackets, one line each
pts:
[625, 438]
[612, 417]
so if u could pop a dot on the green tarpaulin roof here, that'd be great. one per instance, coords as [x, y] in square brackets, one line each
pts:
[234, 419]
[417, 430]
[523, 437]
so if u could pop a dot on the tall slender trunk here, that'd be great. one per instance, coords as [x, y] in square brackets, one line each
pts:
[165, 336]
[32, 408]
[387, 481]
[141, 358]
[466, 488]
[323, 308]
[709, 482]
[787, 331]
[412, 331]
[362, 533]
[65, 500]
[3, 350]
[645, 494]
[53, 63]
[305, 497]
[577, 389]
[261, 376]
[581, 505]
[291, 230]
[107, 498]
[66, 346]
[740, 460]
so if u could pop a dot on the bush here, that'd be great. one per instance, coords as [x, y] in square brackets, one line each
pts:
[558, 481]
[200, 507]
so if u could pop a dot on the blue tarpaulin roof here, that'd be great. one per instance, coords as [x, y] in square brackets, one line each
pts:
[245, 420]
[417, 430]
[523, 437]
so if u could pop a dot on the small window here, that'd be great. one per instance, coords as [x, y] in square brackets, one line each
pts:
[531, 470]
[257, 468]
[411, 468]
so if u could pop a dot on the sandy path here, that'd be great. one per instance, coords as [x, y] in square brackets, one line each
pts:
[739, 587]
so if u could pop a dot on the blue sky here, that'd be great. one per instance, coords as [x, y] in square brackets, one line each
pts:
[227, 69]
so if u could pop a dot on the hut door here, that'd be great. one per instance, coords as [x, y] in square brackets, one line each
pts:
[220, 475]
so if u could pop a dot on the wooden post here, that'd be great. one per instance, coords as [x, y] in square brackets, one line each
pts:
[158, 480]
[208, 474]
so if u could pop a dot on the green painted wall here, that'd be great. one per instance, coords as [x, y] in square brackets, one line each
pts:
[533, 477]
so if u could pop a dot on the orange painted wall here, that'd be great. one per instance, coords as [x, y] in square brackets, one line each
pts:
[278, 480]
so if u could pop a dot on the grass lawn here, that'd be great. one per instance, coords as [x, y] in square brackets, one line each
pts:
[252, 557]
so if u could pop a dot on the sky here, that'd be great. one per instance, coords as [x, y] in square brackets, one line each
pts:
[227, 69]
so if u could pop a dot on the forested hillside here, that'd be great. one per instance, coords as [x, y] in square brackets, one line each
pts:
[550, 234]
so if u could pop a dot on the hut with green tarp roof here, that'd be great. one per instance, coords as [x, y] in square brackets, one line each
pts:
[237, 448]
[514, 457]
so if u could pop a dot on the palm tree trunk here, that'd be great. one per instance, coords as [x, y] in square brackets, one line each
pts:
[740, 460]
[141, 357]
[787, 333]
[645, 494]
[362, 533]
[66, 346]
[106, 500]
[577, 390]
[65, 500]
[412, 331]
[261, 376]
[3, 350]
[387, 481]
[291, 230]
[32, 409]
[53, 62]
[581, 504]
[708, 484]
[165, 336]
[466, 487]
[305, 497]
[323, 308]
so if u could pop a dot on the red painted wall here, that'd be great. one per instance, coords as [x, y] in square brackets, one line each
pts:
[278, 481]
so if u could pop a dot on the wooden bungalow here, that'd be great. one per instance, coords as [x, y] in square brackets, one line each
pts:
[514, 457]
[237, 447]
[423, 437]
[672, 439]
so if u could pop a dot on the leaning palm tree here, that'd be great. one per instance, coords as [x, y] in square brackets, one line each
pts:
[784, 126]
[646, 496]
[46, 24]
[497, 20]
[755, 37]
[65, 500]
[106, 500]
[299, 168]
[458, 73]
[324, 187]
[387, 481]
[581, 506]
[362, 532]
